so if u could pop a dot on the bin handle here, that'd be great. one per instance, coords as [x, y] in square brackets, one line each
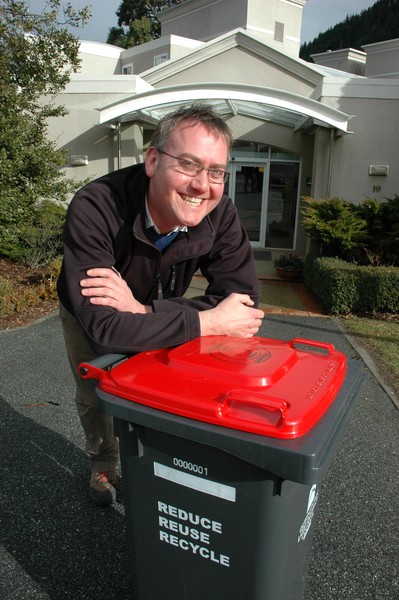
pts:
[246, 406]
[99, 367]
[304, 342]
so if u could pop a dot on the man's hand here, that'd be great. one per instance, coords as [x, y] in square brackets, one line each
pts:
[105, 287]
[234, 316]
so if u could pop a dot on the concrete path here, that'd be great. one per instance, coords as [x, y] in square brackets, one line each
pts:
[55, 545]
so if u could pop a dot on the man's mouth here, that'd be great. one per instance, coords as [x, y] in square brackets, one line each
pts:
[192, 201]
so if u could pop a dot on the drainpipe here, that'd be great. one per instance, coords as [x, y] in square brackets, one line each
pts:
[118, 133]
[116, 127]
[331, 160]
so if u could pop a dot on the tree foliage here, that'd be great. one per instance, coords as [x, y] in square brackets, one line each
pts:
[367, 233]
[377, 23]
[138, 22]
[334, 224]
[37, 56]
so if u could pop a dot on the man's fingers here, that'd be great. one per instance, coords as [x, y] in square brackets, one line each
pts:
[93, 282]
[102, 272]
[96, 291]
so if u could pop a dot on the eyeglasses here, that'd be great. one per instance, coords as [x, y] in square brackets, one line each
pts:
[188, 167]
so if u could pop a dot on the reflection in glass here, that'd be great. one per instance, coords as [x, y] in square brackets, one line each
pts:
[282, 204]
[248, 199]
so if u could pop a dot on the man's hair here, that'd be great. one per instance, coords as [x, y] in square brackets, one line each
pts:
[191, 115]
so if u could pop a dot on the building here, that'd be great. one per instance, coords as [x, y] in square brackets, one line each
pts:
[322, 130]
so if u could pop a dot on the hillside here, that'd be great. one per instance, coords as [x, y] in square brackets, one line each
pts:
[378, 23]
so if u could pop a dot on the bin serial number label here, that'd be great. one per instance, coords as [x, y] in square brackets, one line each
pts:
[189, 466]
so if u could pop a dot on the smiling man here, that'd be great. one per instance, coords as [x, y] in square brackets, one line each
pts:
[133, 241]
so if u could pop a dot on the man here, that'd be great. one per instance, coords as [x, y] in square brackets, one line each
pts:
[133, 240]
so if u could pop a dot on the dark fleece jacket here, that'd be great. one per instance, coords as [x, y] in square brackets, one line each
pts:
[105, 227]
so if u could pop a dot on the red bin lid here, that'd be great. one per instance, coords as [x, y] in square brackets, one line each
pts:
[260, 385]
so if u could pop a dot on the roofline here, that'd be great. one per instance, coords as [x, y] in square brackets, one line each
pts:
[236, 38]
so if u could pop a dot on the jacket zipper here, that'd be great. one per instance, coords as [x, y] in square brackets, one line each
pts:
[159, 283]
[173, 280]
[159, 287]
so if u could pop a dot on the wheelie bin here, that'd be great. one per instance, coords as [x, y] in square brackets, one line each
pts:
[224, 444]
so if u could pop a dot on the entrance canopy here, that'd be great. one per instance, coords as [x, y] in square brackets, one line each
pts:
[265, 104]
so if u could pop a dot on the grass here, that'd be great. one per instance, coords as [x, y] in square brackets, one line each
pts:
[380, 336]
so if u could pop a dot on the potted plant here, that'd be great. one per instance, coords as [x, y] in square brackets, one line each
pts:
[289, 266]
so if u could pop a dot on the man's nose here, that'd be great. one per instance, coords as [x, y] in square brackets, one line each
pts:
[200, 181]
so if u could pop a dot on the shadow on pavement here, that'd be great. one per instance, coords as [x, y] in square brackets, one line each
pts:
[56, 543]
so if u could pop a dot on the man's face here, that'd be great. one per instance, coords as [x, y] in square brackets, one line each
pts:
[176, 199]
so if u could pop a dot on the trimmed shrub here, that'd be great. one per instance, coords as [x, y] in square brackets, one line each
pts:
[378, 289]
[345, 288]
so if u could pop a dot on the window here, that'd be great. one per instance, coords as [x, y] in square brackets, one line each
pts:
[278, 31]
[127, 69]
[160, 58]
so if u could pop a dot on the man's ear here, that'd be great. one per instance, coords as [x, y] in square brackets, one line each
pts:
[151, 159]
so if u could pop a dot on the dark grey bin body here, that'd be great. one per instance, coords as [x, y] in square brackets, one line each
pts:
[218, 514]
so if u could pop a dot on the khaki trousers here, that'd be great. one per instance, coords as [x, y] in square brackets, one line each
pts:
[101, 446]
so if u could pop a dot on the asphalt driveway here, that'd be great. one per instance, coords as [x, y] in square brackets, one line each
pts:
[55, 544]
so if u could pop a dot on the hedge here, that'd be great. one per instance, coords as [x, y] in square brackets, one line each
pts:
[345, 288]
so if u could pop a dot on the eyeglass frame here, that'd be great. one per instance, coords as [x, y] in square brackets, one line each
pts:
[199, 168]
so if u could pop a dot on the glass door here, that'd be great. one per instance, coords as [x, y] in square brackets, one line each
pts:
[282, 202]
[246, 187]
[266, 196]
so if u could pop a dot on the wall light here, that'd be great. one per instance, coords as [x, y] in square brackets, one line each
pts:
[79, 160]
[379, 170]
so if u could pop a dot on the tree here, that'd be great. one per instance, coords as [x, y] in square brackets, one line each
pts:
[37, 56]
[137, 22]
[377, 23]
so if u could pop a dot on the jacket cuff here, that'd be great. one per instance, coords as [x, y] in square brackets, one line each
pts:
[190, 318]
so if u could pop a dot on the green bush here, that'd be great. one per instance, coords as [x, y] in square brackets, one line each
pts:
[367, 233]
[38, 240]
[382, 241]
[348, 288]
[378, 289]
[333, 224]
[6, 294]
[50, 276]
[14, 298]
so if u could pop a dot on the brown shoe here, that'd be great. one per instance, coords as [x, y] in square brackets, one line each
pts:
[102, 491]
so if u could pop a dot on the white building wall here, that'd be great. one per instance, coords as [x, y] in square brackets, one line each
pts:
[80, 133]
[375, 106]
[348, 60]
[277, 21]
[143, 56]
[99, 59]
[204, 19]
[382, 59]
[235, 59]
